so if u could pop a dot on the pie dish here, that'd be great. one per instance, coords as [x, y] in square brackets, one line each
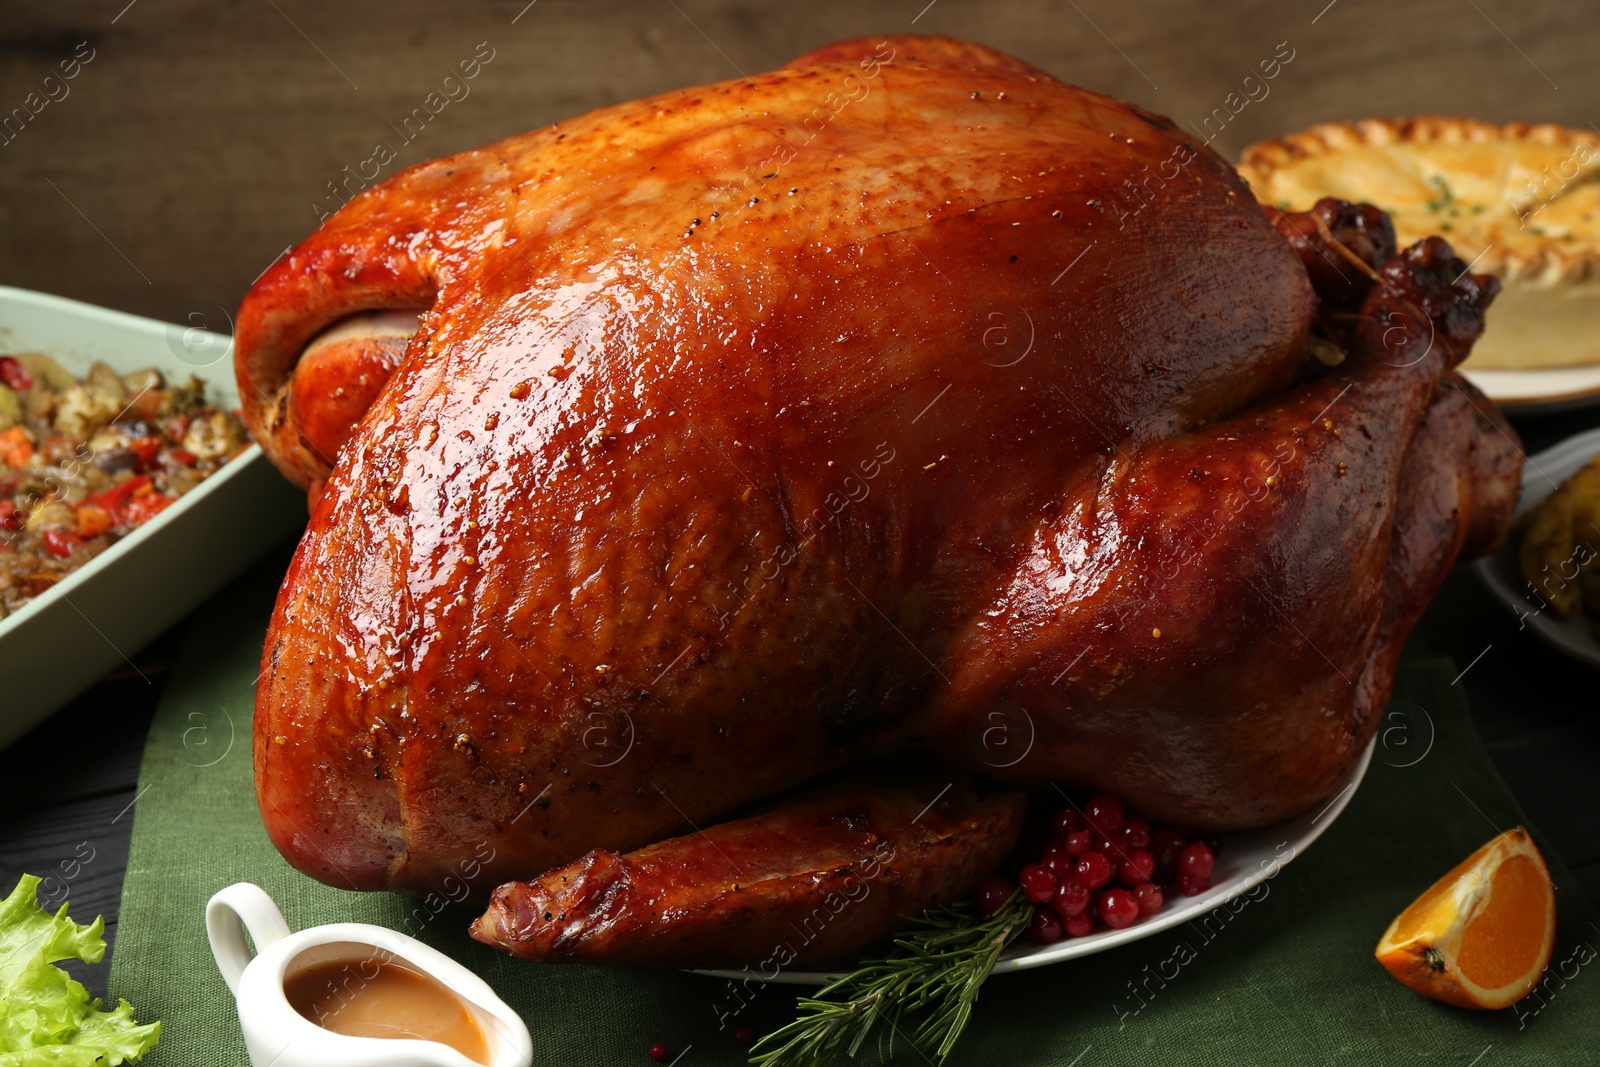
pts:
[1520, 201]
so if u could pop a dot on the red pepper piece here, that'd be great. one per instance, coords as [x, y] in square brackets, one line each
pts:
[15, 374]
[60, 543]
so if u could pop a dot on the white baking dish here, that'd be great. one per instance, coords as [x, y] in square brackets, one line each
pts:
[100, 615]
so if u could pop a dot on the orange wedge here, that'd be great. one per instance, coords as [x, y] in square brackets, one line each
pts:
[1480, 937]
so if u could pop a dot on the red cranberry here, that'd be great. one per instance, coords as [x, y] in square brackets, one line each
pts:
[1094, 870]
[1038, 883]
[1060, 863]
[1103, 868]
[1068, 820]
[1044, 927]
[1137, 868]
[1071, 899]
[743, 1035]
[991, 895]
[1149, 899]
[659, 1053]
[1117, 908]
[1196, 861]
[1104, 814]
[1166, 842]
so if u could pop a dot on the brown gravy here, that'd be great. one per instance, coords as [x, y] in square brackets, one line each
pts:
[383, 996]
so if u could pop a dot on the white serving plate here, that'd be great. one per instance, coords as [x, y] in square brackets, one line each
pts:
[1531, 392]
[96, 618]
[1541, 476]
[1246, 861]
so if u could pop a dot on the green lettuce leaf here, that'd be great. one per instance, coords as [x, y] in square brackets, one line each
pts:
[46, 1018]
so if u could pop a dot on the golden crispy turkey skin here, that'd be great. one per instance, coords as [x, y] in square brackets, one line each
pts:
[902, 400]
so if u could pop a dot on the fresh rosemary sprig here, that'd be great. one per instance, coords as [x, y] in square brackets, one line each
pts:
[933, 972]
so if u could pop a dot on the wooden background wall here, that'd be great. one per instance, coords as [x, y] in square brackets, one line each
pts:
[199, 140]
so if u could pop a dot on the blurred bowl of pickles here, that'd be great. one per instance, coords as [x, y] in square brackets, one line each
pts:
[1547, 570]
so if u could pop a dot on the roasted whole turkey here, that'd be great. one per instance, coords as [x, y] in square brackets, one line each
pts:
[903, 406]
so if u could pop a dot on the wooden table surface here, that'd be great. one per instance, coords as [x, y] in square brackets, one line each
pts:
[198, 139]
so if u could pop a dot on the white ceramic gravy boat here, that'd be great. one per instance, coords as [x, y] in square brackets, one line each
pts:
[279, 1036]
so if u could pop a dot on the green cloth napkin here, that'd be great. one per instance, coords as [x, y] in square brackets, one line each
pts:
[1289, 978]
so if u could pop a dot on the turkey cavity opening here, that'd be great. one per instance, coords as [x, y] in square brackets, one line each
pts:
[385, 327]
[342, 371]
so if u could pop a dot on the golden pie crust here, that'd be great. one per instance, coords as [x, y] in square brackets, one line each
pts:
[1521, 201]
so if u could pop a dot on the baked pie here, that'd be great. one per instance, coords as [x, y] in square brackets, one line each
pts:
[1521, 201]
